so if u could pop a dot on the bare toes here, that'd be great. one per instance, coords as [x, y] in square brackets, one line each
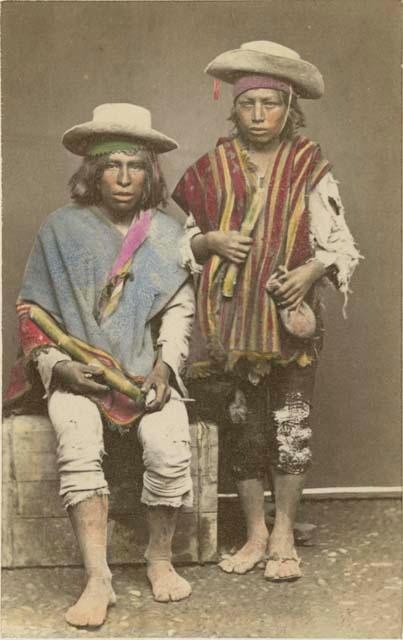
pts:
[91, 608]
[271, 569]
[96, 618]
[289, 569]
[78, 617]
[166, 584]
[181, 591]
[226, 565]
[244, 560]
[74, 618]
[243, 567]
[161, 595]
[283, 568]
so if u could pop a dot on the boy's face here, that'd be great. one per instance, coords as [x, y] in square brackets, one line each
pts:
[122, 183]
[260, 115]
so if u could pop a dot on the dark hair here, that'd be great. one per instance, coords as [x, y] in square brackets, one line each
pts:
[84, 183]
[295, 120]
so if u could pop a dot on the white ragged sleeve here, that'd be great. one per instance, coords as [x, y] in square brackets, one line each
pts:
[46, 360]
[175, 331]
[331, 238]
[188, 261]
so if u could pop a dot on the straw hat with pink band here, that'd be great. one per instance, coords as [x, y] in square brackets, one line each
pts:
[265, 64]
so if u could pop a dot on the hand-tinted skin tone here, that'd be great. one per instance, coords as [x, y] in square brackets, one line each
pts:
[260, 117]
[260, 114]
[122, 186]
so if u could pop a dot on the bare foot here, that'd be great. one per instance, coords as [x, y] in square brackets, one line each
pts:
[283, 562]
[90, 609]
[246, 558]
[166, 584]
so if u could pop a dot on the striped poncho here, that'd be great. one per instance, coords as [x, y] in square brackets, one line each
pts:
[238, 321]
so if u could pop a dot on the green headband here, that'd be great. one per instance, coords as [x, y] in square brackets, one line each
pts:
[100, 148]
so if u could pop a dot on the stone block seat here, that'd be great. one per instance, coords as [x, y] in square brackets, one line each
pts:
[35, 527]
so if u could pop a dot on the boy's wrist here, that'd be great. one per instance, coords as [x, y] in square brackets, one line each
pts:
[317, 268]
[211, 241]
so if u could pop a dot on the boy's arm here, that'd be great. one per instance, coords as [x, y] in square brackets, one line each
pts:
[173, 346]
[230, 245]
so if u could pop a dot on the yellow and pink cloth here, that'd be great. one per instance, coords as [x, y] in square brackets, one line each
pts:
[93, 294]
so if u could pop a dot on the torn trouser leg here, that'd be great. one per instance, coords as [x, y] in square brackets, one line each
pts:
[165, 439]
[80, 446]
[256, 436]
[291, 390]
[248, 432]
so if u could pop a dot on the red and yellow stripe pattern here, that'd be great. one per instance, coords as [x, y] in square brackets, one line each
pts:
[224, 195]
[121, 406]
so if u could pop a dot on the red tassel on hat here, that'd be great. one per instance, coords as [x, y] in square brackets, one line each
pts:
[216, 89]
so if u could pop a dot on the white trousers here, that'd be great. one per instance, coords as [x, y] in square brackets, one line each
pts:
[164, 437]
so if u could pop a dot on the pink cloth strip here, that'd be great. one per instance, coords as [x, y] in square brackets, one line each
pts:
[259, 81]
[216, 89]
[134, 238]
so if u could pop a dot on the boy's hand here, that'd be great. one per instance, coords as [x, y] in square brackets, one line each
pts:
[156, 387]
[231, 245]
[83, 379]
[292, 286]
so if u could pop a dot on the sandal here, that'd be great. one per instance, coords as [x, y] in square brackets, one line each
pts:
[278, 561]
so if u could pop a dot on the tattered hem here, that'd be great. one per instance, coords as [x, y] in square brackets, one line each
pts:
[14, 404]
[206, 368]
[243, 476]
[175, 503]
[291, 471]
[152, 500]
[81, 496]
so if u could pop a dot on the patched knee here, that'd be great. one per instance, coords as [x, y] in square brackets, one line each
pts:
[293, 434]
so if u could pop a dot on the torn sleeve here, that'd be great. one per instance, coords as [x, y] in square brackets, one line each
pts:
[188, 260]
[175, 330]
[46, 360]
[330, 236]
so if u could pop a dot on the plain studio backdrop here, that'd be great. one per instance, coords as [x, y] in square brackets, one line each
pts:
[61, 59]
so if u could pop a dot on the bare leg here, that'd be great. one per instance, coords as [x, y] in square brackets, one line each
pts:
[166, 584]
[251, 494]
[89, 520]
[284, 562]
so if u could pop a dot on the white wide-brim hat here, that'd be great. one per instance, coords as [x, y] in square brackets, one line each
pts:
[117, 121]
[269, 58]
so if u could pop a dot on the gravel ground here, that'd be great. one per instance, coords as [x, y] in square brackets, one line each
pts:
[351, 587]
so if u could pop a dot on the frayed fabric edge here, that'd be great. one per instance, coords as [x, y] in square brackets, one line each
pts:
[188, 260]
[160, 502]
[81, 496]
[152, 500]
